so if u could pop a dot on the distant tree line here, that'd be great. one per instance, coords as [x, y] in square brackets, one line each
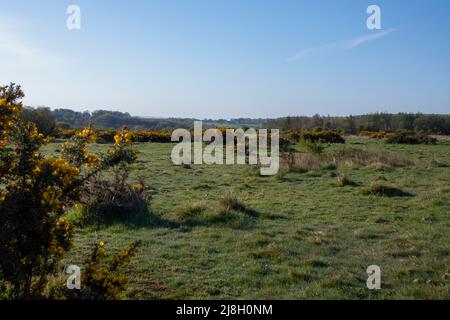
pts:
[430, 123]
[47, 121]
[103, 119]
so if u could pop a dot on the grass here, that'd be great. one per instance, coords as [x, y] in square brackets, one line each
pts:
[310, 240]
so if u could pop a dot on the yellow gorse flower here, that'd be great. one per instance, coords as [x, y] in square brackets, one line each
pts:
[137, 186]
[90, 160]
[62, 169]
[123, 137]
[87, 134]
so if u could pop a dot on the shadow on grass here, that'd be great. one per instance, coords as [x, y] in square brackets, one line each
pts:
[145, 219]
[381, 190]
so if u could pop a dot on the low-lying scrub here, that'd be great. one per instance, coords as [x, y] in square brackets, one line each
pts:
[409, 137]
[110, 200]
[374, 134]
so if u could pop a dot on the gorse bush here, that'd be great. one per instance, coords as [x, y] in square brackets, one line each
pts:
[102, 278]
[35, 192]
[107, 136]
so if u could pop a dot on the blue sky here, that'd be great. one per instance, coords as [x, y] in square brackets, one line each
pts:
[229, 58]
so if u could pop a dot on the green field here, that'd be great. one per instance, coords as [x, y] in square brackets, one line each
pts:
[312, 238]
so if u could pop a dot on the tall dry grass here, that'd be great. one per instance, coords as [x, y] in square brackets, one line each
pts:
[343, 157]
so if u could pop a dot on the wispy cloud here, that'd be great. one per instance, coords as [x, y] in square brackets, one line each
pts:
[341, 45]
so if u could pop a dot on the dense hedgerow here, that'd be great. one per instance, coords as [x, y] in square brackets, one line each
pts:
[36, 191]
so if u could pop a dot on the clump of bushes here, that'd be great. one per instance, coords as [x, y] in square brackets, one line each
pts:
[325, 136]
[377, 188]
[409, 137]
[152, 136]
[374, 134]
[294, 134]
[400, 137]
[107, 136]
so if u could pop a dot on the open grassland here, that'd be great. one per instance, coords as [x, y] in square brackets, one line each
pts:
[303, 234]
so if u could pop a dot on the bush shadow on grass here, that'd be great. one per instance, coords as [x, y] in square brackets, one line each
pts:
[382, 190]
[145, 219]
[230, 202]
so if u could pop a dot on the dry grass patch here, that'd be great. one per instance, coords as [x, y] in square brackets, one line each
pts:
[354, 156]
[301, 162]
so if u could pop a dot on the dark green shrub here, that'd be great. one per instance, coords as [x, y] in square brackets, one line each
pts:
[327, 136]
